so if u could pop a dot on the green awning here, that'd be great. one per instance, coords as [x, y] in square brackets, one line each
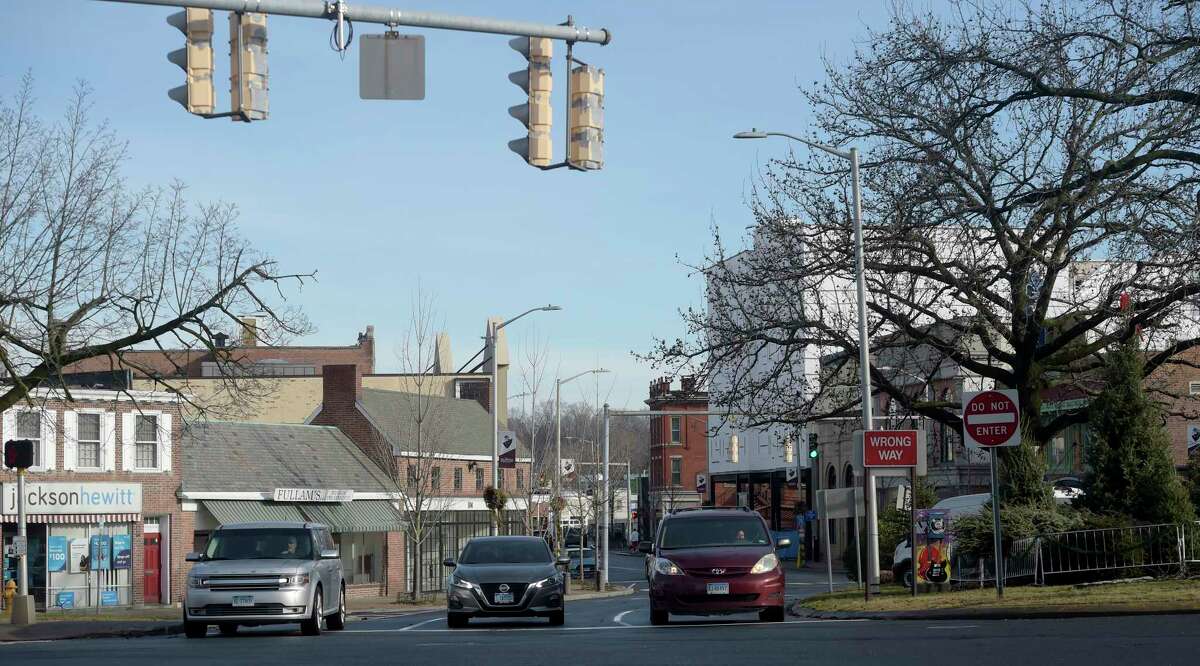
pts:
[356, 516]
[250, 511]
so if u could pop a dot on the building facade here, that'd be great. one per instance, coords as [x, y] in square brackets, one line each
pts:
[105, 524]
[678, 446]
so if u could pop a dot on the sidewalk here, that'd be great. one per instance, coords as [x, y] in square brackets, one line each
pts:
[53, 630]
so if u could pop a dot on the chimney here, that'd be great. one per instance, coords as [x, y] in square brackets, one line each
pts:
[366, 340]
[249, 332]
[341, 385]
[688, 384]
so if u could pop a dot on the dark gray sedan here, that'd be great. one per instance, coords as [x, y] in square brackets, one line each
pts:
[513, 576]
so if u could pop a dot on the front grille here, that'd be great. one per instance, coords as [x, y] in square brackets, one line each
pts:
[244, 582]
[227, 610]
[517, 590]
[725, 572]
[709, 598]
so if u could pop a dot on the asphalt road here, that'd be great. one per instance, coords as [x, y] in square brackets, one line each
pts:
[617, 631]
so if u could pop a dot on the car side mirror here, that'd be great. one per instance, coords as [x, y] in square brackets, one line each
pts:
[329, 553]
[562, 561]
[449, 562]
[645, 547]
[783, 543]
[194, 557]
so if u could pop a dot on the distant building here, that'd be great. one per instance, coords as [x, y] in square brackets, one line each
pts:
[678, 446]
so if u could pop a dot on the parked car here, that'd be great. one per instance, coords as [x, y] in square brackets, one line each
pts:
[589, 561]
[505, 576]
[715, 561]
[266, 573]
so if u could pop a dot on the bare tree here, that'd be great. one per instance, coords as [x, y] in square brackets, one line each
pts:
[90, 267]
[1029, 173]
[412, 448]
[534, 422]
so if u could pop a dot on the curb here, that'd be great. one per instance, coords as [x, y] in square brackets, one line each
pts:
[626, 592]
[1050, 612]
[165, 630]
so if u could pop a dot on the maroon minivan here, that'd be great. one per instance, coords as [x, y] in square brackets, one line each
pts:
[714, 561]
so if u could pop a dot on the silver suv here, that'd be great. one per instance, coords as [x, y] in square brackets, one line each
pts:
[266, 573]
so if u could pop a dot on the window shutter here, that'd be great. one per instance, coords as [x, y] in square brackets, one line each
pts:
[108, 439]
[70, 440]
[10, 425]
[164, 442]
[49, 435]
[127, 433]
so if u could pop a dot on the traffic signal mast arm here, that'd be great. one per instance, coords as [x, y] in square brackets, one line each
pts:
[392, 17]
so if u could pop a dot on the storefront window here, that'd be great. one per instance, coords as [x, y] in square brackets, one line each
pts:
[88, 451]
[146, 442]
[362, 556]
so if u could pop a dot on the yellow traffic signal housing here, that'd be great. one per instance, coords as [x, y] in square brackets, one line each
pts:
[248, 66]
[195, 59]
[586, 118]
[537, 82]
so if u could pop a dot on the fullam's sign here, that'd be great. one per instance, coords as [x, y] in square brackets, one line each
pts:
[312, 495]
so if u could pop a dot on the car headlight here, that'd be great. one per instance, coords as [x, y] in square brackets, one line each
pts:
[556, 579]
[297, 580]
[461, 583]
[769, 562]
[197, 582]
[666, 567]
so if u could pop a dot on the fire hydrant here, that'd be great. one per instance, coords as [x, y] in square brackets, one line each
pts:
[10, 591]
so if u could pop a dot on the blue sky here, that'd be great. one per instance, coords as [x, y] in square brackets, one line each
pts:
[378, 195]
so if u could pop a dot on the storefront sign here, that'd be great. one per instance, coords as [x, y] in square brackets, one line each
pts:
[108, 598]
[65, 498]
[122, 551]
[313, 495]
[64, 600]
[77, 552]
[101, 552]
[56, 553]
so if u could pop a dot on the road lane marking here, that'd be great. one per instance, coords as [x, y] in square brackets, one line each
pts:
[618, 616]
[547, 628]
[953, 626]
[420, 624]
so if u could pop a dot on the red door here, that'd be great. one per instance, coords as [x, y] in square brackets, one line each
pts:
[150, 556]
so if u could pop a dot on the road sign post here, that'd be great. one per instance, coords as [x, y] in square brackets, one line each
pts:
[898, 449]
[992, 420]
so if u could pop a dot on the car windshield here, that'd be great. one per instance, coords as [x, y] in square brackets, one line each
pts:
[587, 552]
[260, 544]
[506, 551]
[714, 531]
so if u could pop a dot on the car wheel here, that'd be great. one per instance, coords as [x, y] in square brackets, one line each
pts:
[774, 614]
[557, 618]
[659, 617]
[228, 629]
[316, 620]
[904, 574]
[456, 621]
[337, 621]
[195, 629]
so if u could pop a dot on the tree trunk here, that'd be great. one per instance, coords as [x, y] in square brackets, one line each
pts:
[416, 569]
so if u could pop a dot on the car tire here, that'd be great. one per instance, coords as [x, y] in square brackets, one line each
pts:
[337, 621]
[228, 629]
[558, 618]
[773, 614]
[903, 574]
[659, 617]
[456, 621]
[195, 629]
[316, 620]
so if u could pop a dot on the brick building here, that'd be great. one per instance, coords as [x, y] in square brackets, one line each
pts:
[678, 446]
[105, 525]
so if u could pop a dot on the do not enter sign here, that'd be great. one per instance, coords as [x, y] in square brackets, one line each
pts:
[991, 418]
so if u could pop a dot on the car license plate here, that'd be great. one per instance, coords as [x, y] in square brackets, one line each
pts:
[718, 588]
[241, 601]
[503, 598]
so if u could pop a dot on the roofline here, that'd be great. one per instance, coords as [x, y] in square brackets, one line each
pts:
[251, 495]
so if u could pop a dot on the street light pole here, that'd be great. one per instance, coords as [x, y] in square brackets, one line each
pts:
[492, 331]
[864, 351]
[558, 383]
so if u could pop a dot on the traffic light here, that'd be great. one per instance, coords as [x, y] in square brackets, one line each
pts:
[587, 118]
[248, 66]
[813, 449]
[535, 114]
[195, 58]
[18, 454]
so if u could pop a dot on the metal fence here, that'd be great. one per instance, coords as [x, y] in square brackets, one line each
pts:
[447, 540]
[1156, 548]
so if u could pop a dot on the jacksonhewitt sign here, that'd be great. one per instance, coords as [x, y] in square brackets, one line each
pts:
[83, 497]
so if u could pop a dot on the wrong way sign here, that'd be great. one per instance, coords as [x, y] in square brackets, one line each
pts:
[991, 419]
